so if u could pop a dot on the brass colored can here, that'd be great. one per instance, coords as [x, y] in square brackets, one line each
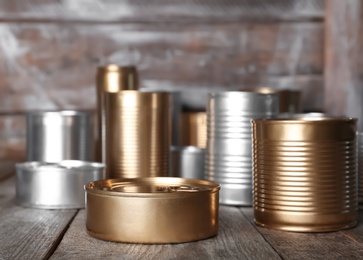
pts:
[305, 173]
[110, 79]
[289, 99]
[194, 129]
[138, 134]
[360, 167]
[152, 210]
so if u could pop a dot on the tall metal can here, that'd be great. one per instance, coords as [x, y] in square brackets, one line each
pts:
[305, 173]
[229, 132]
[110, 79]
[54, 136]
[194, 124]
[187, 162]
[360, 167]
[137, 134]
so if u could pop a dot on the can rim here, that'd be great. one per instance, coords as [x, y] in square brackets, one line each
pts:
[55, 112]
[304, 120]
[187, 149]
[246, 93]
[163, 187]
[69, 165]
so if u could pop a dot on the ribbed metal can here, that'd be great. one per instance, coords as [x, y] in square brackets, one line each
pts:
[187, 162]
[138, 134]
[360, 167]
[110, 79]
[54, 136]
[229, 153]
[194, 129]
[305, 173]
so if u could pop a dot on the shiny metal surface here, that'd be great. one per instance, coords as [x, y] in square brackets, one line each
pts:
[228, 153]
[360, 167]
[152, 210]
[305, 173]
[54, 136]
[55, 185]
[137, 134]
[110, 79]
[187, 162]
[194, 129]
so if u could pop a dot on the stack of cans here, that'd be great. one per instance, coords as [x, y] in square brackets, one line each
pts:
[305, 173]
[229, 154]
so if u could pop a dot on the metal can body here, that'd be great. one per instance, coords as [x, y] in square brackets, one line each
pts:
[187, 162]
[137, 134]
[360, 166]
[152, 210]
[194, 129]
[54, 136]
[110, 79]
[55, 185]
[305, 174]
[228, 155]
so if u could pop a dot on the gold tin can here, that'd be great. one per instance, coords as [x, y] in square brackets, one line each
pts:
[138, 134]
[152, 210]
[305, 173]
[194, 129]
[289, 99]
[360, 167]
[110, 79]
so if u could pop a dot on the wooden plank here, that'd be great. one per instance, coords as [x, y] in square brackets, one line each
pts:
[237, 239]
[28, 233]
[343, 58]
[290, 245]
[44, 65]
[162, 10]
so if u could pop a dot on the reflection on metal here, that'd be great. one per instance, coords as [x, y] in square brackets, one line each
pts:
[228, 155]
[152, 210]
[305, 173]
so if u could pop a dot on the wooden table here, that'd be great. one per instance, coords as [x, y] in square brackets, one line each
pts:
[27, 233]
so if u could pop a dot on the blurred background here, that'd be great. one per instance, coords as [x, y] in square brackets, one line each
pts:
[50, 50]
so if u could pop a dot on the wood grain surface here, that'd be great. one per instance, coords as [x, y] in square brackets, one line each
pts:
[344, 59]
[237, 239]
[44, 65]
[161, 10]
[331, 245]
[28, 233]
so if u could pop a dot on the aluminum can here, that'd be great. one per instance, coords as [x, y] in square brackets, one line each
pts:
[54, 136]
[55, 185]
[138, 134]
[187, 162]
[194, 131]
[305, 173]
[154, 210]
[110, 79]
[229, 152]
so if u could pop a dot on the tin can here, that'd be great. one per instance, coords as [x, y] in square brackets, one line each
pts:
[137, 134]
[194, 129]
[55, 185]
[305, 174]
[289, 99]
[187, 162]
[110, 79]
[54, 136]
[229, 152]
[360, 167]
[152, 210]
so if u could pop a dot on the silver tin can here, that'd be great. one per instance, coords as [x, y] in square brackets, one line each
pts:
[187, 162]
[55, 185]
[229, 144]
[53, 136]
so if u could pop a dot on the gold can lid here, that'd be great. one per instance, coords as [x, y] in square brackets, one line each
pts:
[150, 187]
